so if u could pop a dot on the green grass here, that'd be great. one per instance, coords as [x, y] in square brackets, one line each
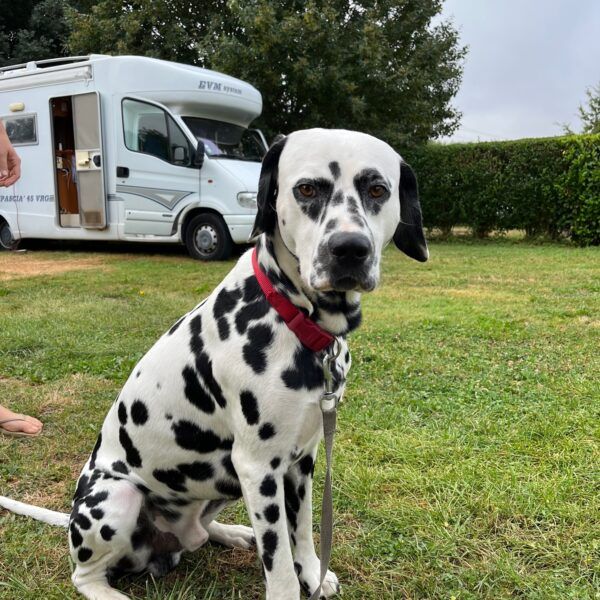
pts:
[467, 459]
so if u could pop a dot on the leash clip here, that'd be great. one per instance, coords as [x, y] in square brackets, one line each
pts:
[329, 399]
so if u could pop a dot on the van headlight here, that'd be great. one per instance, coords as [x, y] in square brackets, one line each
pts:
[247, 199]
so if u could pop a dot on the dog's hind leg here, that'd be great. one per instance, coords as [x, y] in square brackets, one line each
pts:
[108, 531]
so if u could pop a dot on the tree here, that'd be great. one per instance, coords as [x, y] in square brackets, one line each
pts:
[34, 31]
[375, 65]
[590, 115]
[167, 29]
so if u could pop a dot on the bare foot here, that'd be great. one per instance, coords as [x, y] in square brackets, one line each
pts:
[28, 425]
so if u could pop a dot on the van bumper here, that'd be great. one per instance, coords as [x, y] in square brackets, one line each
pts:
[240, 227]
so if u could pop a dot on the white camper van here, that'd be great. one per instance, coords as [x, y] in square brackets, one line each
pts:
[131, 148]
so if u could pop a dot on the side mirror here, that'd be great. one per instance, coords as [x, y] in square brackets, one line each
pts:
[180, 155]
[199, 155]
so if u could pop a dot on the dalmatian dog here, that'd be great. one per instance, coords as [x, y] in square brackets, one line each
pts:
[226, 403]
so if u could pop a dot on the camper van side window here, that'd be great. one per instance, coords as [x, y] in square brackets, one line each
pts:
[149, 130]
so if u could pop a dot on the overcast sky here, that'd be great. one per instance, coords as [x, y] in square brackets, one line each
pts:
[528, 66]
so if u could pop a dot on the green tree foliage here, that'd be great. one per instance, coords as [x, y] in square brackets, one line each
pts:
[376, 65]
[168, 29]
[33, 31]
[380, 66]
[590, 115]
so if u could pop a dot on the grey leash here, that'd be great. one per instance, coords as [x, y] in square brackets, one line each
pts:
[329, 402]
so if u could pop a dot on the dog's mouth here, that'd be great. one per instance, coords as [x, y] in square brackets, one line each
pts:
[344, 283]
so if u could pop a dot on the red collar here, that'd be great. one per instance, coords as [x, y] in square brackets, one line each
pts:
[307, 331]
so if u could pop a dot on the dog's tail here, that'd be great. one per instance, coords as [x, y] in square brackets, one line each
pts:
[51, 517]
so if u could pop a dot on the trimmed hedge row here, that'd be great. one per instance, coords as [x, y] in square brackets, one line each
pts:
[545, 186]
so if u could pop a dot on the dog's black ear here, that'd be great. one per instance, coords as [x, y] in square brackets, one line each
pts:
[266, 217]
[409, 236]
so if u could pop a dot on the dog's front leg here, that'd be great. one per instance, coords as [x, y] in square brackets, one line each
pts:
[262, 487]
[298, 502]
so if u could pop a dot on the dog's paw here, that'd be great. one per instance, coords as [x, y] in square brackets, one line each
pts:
[309, 580]
[232, 536]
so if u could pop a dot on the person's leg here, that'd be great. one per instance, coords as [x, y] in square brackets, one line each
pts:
[17, 423]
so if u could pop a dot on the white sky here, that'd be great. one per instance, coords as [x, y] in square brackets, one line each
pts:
[528, 66]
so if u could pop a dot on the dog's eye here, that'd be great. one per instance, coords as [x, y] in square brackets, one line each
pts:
[307, 190]
[376, 191]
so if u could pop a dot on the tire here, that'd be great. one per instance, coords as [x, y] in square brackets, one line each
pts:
[7, 241]
[207, 238]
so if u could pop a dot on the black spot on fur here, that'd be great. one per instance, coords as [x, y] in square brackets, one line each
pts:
[204, 367]
[97, 513]
[307, 465]
[301, 491]
[347, 357]
[198, 471]
[195, 393]
[251, 312]
[175, 327]
[268, 487]
[139, 412]
[171, 478]
[331, 225]
[76, 537]
[225, 302]
[267, 561]
[191, 437]
[269, 541]
[266, 431]
[272, 513]
[249, 407]
[95, 499]
[83, 487]
[297, 568]
[337, 198]
[95, 452]
[334, 167]
[292, 501]
[120, 467]
[275, 462]
[84, 554]
[252, 290]
[132, 456]
[228, 465]
[258, 517]
[259, 339]
[196, 325]
[223, 327]
[228, 488]
[107, 532]
[305, 371]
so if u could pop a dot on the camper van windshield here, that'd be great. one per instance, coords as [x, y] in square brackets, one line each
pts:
[225, 140]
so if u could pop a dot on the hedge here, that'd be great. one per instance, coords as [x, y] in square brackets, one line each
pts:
[545, 186]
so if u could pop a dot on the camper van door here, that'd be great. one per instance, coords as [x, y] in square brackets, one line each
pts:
[156, 173]
[88, 160]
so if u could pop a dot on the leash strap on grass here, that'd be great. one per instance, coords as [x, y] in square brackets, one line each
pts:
[329, 424]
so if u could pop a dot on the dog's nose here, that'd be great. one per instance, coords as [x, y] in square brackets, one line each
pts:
[349, 247]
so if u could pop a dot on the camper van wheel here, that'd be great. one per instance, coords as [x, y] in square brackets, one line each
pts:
[207, 238]
[7, 241]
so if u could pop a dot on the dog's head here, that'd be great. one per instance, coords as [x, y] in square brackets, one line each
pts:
[338, 197]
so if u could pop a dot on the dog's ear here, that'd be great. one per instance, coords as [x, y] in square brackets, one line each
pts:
[266, 217]
[409, 236]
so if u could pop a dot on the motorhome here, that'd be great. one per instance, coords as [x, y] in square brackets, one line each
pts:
[130, 148]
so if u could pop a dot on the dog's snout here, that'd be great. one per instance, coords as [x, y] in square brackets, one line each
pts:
[349, 247]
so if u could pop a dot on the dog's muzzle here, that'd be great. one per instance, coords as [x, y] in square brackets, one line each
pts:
[351, 256]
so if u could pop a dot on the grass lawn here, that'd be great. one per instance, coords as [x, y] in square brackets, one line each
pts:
[467, 460]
